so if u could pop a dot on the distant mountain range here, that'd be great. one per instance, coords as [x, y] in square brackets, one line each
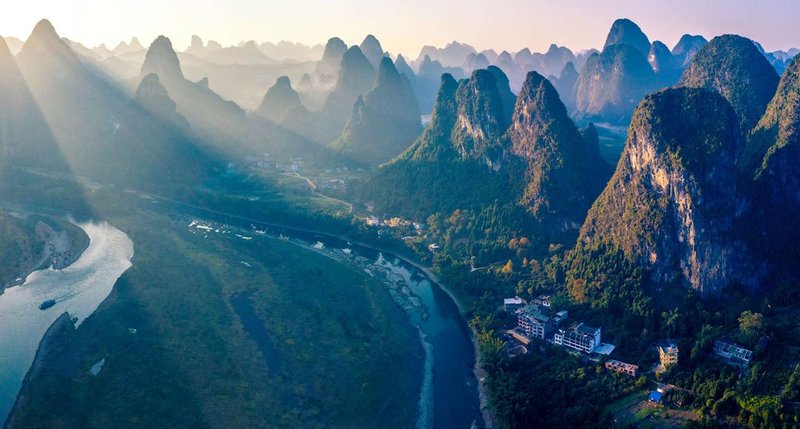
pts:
[705, 186]
[485, 145]
[606, 92]
[61, 113]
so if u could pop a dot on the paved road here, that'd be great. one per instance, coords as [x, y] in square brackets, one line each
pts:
[314, 191]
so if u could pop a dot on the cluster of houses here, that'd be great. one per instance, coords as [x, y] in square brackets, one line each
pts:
[394, 222]
[413, 230]
[334, 184]
[535, 321]
[264, 162]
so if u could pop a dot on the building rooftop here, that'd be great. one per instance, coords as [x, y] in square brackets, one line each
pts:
[730, 349]
[655, 396]
[534, 313]
[513, 301]
[604, 349]
[668, 346]
[586, 329]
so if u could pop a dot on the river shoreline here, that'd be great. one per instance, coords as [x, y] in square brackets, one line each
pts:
[62, 243]
[483, 394]
[485, 406]
[77, 290]
[61, 324]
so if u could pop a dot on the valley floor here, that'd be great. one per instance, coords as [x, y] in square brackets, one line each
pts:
[219, 331]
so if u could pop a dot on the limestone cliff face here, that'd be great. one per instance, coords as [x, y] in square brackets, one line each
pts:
[480, 119]
[673, 199]
[562, 170]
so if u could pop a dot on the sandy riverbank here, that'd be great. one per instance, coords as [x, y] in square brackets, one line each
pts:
[60, 242]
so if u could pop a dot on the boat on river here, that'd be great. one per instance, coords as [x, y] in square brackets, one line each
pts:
[47, 304]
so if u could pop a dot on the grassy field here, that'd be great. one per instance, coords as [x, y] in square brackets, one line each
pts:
[229, 333]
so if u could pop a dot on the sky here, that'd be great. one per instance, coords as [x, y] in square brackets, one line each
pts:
[404, 26]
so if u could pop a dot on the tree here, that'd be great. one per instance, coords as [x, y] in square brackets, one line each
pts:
[751, 325]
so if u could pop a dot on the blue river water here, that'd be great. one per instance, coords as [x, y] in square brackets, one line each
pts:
[449, 395]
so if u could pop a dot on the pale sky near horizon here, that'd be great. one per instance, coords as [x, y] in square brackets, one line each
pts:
[404, 26]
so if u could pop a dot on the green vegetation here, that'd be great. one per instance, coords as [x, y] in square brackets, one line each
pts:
[770, 158]
[563, 169]
[551, 389]
[205, 323]
[732, 66]
[20, 250]
[643, 211]
[420, 188]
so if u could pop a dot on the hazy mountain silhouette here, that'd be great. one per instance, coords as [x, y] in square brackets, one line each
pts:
[331, 58]
[356, 78]
[667, 70]
[611, 83]
[220, 120]
[565, 85]
[371, 48]
[687, 47]
[102, 132]
[627, 32]
[385, 122]
[280, 101]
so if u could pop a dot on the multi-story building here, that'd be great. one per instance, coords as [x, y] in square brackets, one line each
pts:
[534, 323]
[622, 367]
[667, 353]
[732, 352]
[583, 338]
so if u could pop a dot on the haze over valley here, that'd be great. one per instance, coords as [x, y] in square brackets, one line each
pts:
[328, 233]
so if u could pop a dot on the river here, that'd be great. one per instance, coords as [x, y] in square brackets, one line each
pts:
[449, 394]
[78, 290]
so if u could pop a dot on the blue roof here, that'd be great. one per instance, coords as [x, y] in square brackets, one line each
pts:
[656, 396]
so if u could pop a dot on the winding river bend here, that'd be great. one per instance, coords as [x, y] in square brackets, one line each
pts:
[77, 290]
[449, 395]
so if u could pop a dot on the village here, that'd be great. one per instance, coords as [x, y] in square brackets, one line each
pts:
[539, 326]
